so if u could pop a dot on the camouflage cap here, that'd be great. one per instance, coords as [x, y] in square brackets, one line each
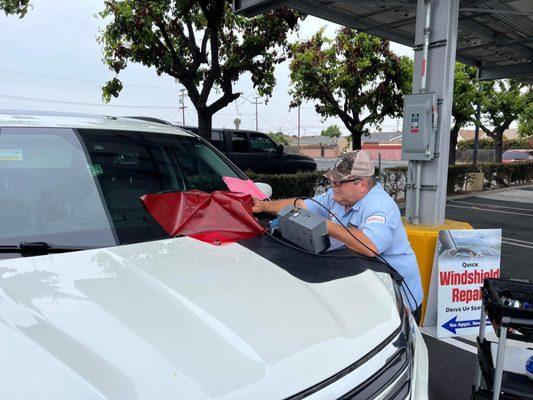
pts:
[355, 164]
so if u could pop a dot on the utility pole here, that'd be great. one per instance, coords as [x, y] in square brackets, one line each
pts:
[182, 106]
[256, 115]
[298, 128]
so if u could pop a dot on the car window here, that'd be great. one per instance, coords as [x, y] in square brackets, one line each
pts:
[217, 140]
[240, 142]
[83, 188]
[260, 143]
[514, 155]
[48, 190]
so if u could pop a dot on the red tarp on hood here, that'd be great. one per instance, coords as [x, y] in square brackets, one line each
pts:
[216, 217]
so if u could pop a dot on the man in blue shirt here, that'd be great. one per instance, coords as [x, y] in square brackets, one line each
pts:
[371, 215]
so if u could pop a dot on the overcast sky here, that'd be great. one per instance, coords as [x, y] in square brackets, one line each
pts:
[50, 60]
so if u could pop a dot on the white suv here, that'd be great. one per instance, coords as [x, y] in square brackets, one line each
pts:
[97, 302]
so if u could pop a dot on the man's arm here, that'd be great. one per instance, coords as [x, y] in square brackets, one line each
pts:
[273, 207]
[338, 232]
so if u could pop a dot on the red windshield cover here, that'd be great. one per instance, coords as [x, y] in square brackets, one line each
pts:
[214, 218]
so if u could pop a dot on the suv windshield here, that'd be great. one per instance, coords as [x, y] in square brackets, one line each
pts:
[82, 188]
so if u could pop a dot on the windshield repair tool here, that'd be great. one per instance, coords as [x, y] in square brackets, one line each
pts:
[304, 228]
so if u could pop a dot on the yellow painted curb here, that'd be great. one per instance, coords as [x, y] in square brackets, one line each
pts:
[423, 239]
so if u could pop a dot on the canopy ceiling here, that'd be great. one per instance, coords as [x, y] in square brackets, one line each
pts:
[493, 35]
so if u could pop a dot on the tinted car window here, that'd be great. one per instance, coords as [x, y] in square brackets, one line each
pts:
[217, 140]
[240, 142]
[82, 188]
[262, 143]
[515, 155]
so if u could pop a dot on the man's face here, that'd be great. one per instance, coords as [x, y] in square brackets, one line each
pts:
[348, 193]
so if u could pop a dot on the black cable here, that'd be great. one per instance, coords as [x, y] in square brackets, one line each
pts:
[378, 257]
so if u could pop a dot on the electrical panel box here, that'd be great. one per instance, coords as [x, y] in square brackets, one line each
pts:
[304, 228]
[419, 127]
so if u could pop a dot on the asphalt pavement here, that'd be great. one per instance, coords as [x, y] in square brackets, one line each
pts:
[452, 361]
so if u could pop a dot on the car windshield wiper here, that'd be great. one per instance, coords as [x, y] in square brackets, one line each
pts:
[37, 248]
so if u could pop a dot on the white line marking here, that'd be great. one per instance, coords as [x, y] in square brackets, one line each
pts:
[517, 244]
[496, 211]
[517, 240]
[491, 205]
[461, 345]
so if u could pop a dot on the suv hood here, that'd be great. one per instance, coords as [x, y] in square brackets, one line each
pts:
[179, 319]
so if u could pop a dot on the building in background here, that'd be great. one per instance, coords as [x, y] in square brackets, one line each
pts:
[388, 144]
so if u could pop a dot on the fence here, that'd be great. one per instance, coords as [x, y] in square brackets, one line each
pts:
[467, 156]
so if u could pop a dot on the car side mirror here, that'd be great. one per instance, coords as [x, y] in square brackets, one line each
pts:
[280, 148]
[265, 188]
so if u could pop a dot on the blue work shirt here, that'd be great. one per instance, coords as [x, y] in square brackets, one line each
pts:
[377, 215]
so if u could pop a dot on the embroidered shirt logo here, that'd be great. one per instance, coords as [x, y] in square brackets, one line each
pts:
[378, 219]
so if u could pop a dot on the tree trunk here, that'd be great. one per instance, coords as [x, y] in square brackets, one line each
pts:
[204, 124]
[356, 140]
[498, 144]
[453, 144]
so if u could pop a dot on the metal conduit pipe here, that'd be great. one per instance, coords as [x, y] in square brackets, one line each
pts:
[416, 218]
[423, 89]
[427, 32]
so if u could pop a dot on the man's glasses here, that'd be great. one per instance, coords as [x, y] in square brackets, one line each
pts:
[339, 183]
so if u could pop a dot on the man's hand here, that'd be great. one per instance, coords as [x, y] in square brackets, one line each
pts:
[258, 206]
[273, 207]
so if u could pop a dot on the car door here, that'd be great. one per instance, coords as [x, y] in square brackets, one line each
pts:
[265, 155]
[238, 149]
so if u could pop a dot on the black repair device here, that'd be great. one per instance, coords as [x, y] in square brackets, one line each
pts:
[304, 228]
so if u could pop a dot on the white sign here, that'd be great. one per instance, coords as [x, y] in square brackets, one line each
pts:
[465, 259]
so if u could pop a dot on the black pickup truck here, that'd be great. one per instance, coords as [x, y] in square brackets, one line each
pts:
[250, 150]
[255, 151]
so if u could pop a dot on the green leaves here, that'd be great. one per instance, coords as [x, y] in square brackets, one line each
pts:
[111, 89]
[202, 44]
[332, 131]
[354, 76]
[278, 138]
[17, 7]
[503, 102]
[525, 126]
[465, 95]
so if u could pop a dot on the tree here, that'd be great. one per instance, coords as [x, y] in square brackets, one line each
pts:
[503, 102]
[333, 132]
[278, 137]
[465, 96]
[201, 43]
[354, 76]
[18, 7]
[525, 125]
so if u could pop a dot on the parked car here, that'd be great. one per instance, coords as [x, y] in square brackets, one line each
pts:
[251, 151]
[257, 152]
[509, 156]
[98, 302]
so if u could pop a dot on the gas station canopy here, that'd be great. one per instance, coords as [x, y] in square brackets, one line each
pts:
[494, 35]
